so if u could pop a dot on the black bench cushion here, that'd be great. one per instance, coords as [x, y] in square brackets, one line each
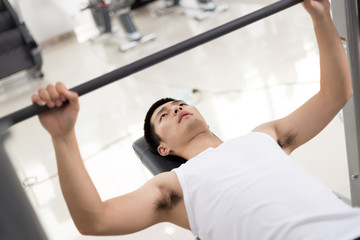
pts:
[10, 39]
[154, 162]
[6, 22]
[14, 61]
[2, 6]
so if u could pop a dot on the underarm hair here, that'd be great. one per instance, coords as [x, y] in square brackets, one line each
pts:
[287, 140]
[168, 200]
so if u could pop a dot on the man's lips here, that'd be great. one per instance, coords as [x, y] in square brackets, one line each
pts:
[183, 114]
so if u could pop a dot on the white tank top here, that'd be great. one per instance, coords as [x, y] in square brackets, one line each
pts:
[249, 188]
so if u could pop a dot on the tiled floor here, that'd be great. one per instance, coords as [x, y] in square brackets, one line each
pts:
[253, 75]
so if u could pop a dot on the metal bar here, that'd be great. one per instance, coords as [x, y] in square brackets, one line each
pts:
[158, 57]
[352, 111]
[346, 19]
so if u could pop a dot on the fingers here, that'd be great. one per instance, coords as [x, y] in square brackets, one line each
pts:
[46, 96]
[61, 90]
[36, 99]
[54, 96]
[68, 95]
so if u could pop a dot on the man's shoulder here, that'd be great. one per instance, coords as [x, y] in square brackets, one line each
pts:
[164, 176]
[268, 128]
[166, 180]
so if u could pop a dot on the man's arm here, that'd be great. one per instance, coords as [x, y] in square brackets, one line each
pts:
[335, 86]
[122, 215]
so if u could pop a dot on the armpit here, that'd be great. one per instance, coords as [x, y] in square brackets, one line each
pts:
[168, 199]
[286, 140]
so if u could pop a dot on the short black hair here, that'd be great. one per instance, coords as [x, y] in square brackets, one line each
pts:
[150, 135]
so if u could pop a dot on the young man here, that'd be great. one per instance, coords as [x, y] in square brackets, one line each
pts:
[245, 188]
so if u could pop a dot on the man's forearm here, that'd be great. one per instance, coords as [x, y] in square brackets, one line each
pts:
[335, 77]
[80, 194]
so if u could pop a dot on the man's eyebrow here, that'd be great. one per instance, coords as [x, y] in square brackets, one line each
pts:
[164, 108]
[159, 112]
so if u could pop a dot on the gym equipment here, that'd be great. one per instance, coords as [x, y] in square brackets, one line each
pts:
[209, 8]
[140, 3]
[346, 18]
[154, 162]
[157, 57]
[101, 11]
[18, 49]
[206, 7]
[17, 219]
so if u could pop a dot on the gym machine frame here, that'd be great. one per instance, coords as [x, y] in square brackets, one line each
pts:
[18, 219]
[347, 20]
[101, 10]
[206, 8]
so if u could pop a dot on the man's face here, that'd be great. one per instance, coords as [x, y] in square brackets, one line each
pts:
[177, 123]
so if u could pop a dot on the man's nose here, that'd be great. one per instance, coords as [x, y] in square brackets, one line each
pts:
[176, 109]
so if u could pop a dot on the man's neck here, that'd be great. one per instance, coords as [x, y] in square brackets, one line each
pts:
[200, 143]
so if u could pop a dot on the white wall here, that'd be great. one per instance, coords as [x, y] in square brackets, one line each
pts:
[47, 19]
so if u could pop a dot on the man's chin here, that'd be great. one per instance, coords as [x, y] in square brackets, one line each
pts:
[193, 125]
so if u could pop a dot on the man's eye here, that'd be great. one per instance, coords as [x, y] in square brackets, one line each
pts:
[162, 116]
[182, 104]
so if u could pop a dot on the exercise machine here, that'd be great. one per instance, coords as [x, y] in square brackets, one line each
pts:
[204, 10]
[121, 9]
[347, 20]
[18, 219]
[154, 162]
[18, 49]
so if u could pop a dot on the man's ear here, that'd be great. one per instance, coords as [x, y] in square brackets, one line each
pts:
[163, 150]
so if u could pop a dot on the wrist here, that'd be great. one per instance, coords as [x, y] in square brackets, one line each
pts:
[321, 19]
[63, 136]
